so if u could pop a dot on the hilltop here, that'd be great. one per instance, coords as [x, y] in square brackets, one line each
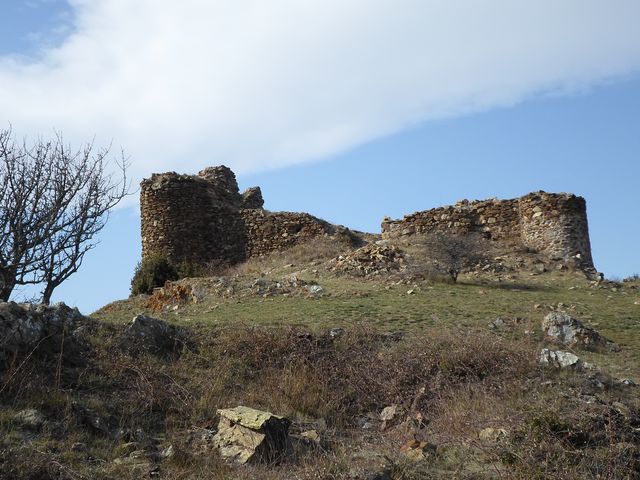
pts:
[385, 366]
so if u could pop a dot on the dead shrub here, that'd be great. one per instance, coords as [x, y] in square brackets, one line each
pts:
[355, 373]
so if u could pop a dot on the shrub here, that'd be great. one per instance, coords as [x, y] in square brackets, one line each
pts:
[152, 272]
[189, 269]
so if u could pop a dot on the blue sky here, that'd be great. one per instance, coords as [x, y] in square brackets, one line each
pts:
[428, 133]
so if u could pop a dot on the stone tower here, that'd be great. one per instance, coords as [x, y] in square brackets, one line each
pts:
[193, 218]
[557, 225]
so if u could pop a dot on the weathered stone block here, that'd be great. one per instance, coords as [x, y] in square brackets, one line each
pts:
[246, 435]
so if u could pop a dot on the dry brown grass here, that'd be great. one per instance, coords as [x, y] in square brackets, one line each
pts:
[313, 252]
[450, 384]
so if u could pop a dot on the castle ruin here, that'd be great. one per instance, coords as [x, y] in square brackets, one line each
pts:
[204, 218]
[554, 224]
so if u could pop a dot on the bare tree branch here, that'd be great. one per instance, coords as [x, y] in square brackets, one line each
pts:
[53, 202]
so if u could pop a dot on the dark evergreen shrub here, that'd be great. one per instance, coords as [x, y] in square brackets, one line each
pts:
[152, 272]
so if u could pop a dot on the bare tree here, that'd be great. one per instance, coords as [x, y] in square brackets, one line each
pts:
[453, 253]
[53, 201]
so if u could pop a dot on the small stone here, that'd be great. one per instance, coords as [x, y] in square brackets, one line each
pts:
[336, 332]
[167, 452]
[389, 415]
[312, 436]
[498, 324]
[126, 449]
[416, 450]
[30, 418]
[79, 447]
[493, 434]
[559, 359]
[316, 290]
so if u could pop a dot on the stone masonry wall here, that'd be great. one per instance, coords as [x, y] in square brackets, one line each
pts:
[497, 219]
[556, 224]
[553, 224]
[267, 232]
[203, 218]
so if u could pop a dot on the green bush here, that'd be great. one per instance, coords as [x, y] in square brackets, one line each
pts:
[152, 272]
[187, 269]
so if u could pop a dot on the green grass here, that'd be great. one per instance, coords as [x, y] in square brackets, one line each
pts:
[472, 303]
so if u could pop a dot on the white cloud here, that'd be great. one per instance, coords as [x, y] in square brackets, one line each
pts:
[257, 84]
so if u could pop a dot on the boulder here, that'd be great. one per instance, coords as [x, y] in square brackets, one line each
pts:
[569, 331]
[246, 435]
[23, 327]
[155, 336]
[559, 359]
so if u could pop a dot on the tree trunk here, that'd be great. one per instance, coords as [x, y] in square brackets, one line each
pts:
[47, 292]
[7, 284]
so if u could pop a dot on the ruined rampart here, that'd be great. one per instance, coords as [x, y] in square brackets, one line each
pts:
[553, 224]
[204, 218]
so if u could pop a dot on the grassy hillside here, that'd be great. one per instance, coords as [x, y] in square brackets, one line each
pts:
[330, 350]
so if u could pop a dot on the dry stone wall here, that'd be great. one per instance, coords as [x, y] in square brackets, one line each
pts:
[499, 220]
[550, 223]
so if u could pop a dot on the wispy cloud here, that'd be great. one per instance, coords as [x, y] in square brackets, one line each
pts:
[258, 84]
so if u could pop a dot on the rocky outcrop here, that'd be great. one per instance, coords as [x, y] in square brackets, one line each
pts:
[147, 334]
[246, 435]
[563, 328]
[44, 329]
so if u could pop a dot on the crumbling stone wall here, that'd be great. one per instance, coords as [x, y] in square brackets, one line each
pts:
[203, 218]
[499, 220]
[553, 224]
[267, 232]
